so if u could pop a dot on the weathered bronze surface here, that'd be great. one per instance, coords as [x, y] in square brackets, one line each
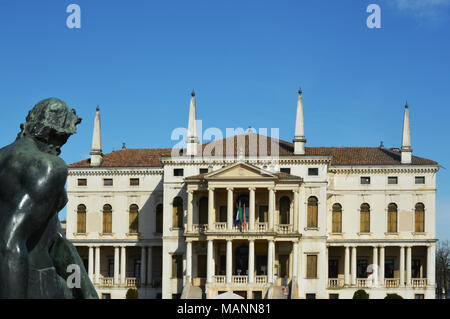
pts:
[34, 252]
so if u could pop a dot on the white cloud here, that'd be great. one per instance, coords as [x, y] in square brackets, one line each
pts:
[426, 9]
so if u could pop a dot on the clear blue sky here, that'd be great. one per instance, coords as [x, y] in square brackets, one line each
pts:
[246, 59]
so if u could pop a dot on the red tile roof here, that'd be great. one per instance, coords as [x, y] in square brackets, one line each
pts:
[339, 155]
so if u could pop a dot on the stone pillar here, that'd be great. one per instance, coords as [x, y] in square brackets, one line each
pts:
[211, 217]
[270, 251]
[189, 261]
[209, 262]
[150, 265]
[295, 260]
[347, 266]
[271, 207]
[381, 268]
[123, 265]
[296, 218]
[327, 275]
[116, 265]
[190, 213]
[143, 264]
[431, 253]
[252, 209]
[354, 254]
[251, 261]
[402, 266]
[229, 271]
[375, 266]
[230, 208]
[408, 265]
[97, 265]
[91, 263]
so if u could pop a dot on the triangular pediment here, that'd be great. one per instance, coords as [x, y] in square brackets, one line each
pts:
[240, 171]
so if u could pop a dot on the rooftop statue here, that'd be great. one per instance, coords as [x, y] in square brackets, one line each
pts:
[34, 252]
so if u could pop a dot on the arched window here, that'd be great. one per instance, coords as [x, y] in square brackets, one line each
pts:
[312, 218]
[134, 219]
[81, 219]
[107, 219]
[203, 211]
[159, 219]
[419, 218]
[365, 218]
[336, 219]
[177, 212]
[285, 207]
[392, 218]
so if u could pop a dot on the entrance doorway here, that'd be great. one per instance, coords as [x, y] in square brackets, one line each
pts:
[241, 261]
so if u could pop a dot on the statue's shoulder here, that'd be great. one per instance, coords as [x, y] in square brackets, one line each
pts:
[25, 159]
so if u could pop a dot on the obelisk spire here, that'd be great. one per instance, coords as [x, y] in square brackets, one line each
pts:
[192, 140]
[299, 138]
[406, 150]
[96, 151]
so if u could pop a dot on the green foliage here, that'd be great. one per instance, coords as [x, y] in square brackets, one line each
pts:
[132, 294]
[393, 296]
[360, 294]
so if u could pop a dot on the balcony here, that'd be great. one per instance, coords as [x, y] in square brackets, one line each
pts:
[284, 228]
[107, 281]
[219, 279]
[261, 227]
[199, 228]
[131, 282]
[261, 280]
[335, 282]
[419, 282]
[239, 280]
[363, 283]
[220, 226]
[392, 283]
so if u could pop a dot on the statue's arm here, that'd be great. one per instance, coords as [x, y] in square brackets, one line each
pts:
[63, 254]
[14, 264]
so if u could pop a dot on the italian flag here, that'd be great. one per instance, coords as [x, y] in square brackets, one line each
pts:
[238, 214]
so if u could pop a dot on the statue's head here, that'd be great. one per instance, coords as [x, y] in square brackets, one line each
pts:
[50, 122]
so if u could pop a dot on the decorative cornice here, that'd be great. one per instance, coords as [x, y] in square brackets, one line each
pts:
[383, 170]
[221, 160]
[115, 172]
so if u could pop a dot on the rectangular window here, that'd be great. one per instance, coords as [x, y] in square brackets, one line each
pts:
[134, 181]
[310, 296]
[311, 265]
[203, 170]
[178, 172]
[223, 214]
[82, 182]
[283, 261]
[334, 296]
[177, 266]
[137, 268]
[111, 268]
[365, 180]
[420, 179]
[286, 170]
[263, 211]
[106, 296]
[201, 266]
[107, 182]
[389, 268]
[313, 171]
[419, 296]
[392, 180]
[361, 269]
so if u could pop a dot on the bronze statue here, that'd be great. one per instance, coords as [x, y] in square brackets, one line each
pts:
[34, 252]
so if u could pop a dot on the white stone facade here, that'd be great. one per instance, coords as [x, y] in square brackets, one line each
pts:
[321, 254]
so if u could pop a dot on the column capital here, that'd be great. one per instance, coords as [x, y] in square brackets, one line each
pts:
[190, 191]
[211, 188]
[296, 190]
[229, 240]
[252, 188]
[230, 188]
[251, 240]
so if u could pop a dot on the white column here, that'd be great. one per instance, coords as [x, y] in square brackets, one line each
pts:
[251, 261]
[354, 265]
[97, 265]
[271, 207]
[402, 266]
[296, 213]
[381, 268]
[143, 264]
[123, 265]
[190, 213]
[150, 265]
[229, 260]
[347, 266]
[270, 261]
[295, 260]
[408, 265]
[252, 209]
[230, 209]
[375, 266]
[91, 263]
[327, 275]
[116, 265]
[189, 261]
[431, 253]
[209, 262]
[211, 216]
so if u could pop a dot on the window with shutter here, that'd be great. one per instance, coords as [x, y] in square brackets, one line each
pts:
[134, 219]
[312, 218]
[419, 218]
[392, 218]
[311, 265]
[107, 219]
[365, 218]
[177, 212]
[337, 219]
[81, 219]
